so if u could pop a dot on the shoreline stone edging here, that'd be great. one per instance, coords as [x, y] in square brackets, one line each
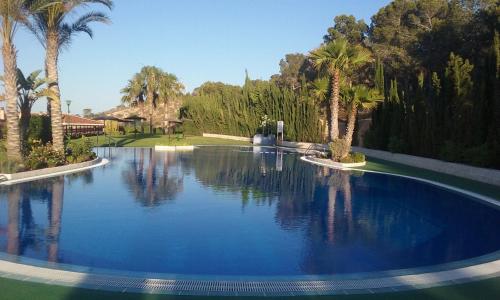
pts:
[490, 176]
[228, 137]
[52, 172]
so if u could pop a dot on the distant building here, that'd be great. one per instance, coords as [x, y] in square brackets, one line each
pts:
[76, 126]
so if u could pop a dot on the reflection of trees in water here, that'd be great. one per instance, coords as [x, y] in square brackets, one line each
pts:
[87, 177]
[22, 231]
[393, 223]
[55, 215]
[254, 175]
[159, 182]
[384, 226]
[13, 197]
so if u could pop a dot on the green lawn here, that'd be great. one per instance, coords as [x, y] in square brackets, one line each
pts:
[466, 184]
[486, 289]
[164, 140]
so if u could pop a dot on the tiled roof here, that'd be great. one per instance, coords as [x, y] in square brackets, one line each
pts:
[76, 120]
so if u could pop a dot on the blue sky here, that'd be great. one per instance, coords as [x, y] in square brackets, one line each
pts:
[198, 40]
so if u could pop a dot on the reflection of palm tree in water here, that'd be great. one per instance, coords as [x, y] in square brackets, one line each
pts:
[337, 181]
[151, 178]
[150, 189]
[23, 233]
[55, 214]
[13, 197]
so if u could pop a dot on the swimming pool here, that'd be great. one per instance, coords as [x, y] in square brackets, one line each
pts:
[240, 211]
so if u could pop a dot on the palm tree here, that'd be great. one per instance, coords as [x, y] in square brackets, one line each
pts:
[12, 13]
[54, 31]
[144, 87]
[355, 97]
[319, 90]
[134, 93]
[170, 89]
[29, 90]
[153, 77]
[335, 58]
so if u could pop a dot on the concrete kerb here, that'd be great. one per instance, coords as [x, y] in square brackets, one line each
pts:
[52, 172]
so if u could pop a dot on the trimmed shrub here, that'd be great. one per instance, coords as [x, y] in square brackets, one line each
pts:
[353, 157]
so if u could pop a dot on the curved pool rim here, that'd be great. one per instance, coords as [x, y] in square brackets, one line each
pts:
[462, 271]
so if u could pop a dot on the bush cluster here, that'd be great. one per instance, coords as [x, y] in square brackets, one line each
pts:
[353, 157]
[44, 156]
[81, 151]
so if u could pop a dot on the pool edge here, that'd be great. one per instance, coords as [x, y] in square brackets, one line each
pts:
[265, 286]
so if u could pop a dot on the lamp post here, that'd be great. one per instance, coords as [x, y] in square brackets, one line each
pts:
[68, 103]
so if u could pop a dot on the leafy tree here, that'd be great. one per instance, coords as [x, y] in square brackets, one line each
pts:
[54, 29]
[347, 27]
[238, 111]
[441, 56]
[291, 69]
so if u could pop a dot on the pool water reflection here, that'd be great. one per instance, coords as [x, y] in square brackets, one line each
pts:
[240, 211]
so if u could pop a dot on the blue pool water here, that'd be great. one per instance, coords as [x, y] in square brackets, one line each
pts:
[240, 211]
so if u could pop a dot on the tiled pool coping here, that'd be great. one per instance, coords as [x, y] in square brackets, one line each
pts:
[363, 283]
[479, 268]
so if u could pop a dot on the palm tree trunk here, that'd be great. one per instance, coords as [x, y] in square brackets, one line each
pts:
[165, 117]
[24, 124]
[10, 81]
[51, 59]
[349, 131]
[334, 106]
[151, 111]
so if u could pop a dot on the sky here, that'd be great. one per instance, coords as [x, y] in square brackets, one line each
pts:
[198, 40]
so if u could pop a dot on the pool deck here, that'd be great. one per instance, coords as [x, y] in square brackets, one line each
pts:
[480, 268]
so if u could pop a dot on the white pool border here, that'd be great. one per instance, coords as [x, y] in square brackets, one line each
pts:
[98, 163]
[470, 270]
